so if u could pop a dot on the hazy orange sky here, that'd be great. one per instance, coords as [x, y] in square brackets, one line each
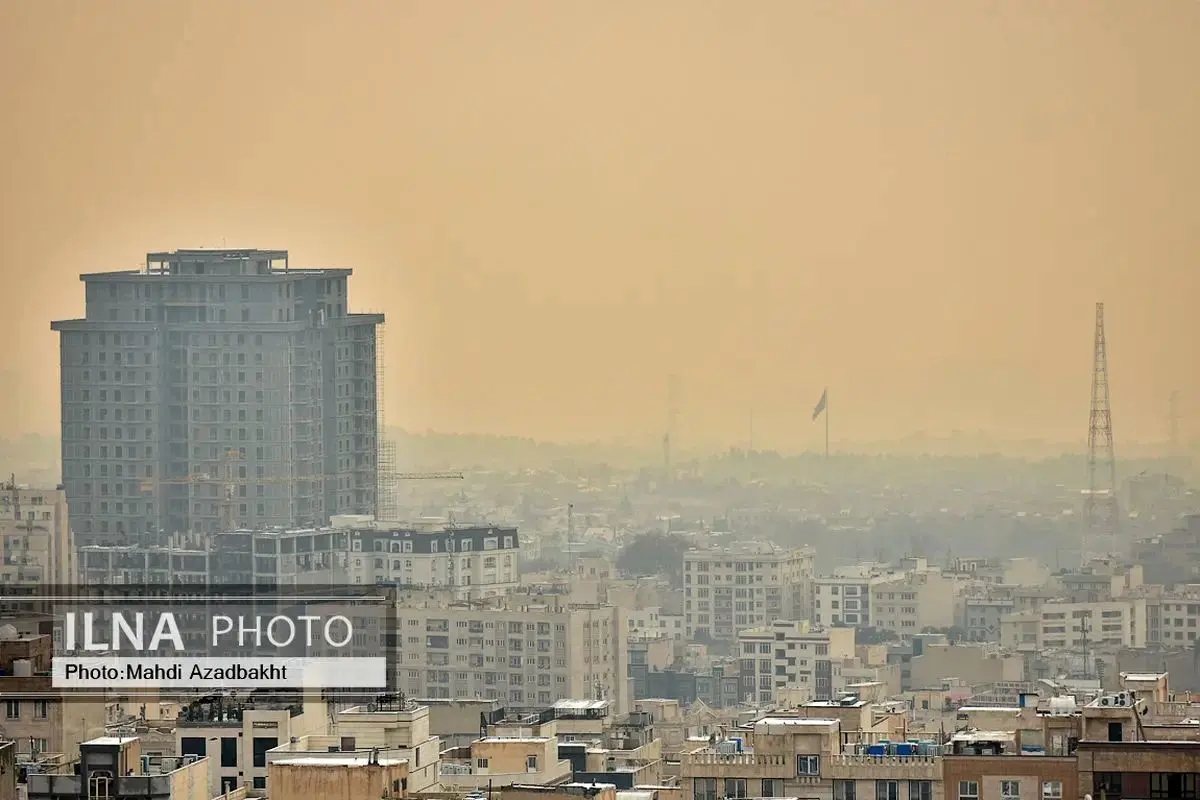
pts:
[559, 203]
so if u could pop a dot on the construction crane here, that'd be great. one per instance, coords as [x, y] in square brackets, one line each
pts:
[230, 482]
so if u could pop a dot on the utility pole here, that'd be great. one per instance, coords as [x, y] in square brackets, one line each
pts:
[1100, 519]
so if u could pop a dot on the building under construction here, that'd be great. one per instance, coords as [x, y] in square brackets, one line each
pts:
[213, 389]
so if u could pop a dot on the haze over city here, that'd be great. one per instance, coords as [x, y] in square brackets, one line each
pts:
[558, 204]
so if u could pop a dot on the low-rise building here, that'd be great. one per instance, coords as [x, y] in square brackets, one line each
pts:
[321, 767]
[522, 750]
[113, 768]
[236, 735]
[38, 717]
[398, 725]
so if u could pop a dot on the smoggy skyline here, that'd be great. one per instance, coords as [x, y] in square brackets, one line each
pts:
[558, 204]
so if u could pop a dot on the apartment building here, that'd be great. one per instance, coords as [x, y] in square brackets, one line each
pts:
[214, 389]
[322, 767]
[475, 561]
[788, 653]
[981, 617]
[1173, 619]
[471, 561]
[1059, 625]
[395, 724]
[38, 717]
[844, 598]
[36, 544]
[235, 736]
[527, 650]
[113, 768]
[730, 589]
[909, 603]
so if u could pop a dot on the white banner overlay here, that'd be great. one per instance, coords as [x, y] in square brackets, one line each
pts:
[219, 673]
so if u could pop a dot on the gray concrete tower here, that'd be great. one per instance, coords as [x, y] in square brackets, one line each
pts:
[216, 389]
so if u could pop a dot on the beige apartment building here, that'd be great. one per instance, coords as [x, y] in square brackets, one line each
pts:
[786, 654]
[922, 598]
[525, 650]
[399, 726]
[1058, 625]
[43, 720]
[321, 767]
[35, 537]
[729, 589]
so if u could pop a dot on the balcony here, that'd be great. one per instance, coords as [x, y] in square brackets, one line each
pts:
[865, 767]
[707, 763]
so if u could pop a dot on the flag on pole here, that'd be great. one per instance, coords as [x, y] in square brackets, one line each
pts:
[820, 405]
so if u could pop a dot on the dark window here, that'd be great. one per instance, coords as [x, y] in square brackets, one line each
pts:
[887, 790]
[261, 745]
[192, 746]
[1116, 732]
[920, 790]
[844, 790]
[259, 783]
[1173, 785]
[1108, 785]
[229, 751]
[772, 787]
[228, 785]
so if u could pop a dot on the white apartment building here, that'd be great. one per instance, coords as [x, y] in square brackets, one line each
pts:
[911, 602]
[481, 561]
[1059, 625]
[651, 622]
[526, 650]
[791, 653]
[36, 546]
[727, 590]
[1173, 620]
[844, 598]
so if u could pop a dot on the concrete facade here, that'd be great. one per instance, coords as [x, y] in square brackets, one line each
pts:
[216, 385]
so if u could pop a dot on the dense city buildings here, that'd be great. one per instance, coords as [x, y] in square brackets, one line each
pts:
[215, 389]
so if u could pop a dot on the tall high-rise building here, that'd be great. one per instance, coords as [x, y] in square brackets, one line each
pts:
[216, 389]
